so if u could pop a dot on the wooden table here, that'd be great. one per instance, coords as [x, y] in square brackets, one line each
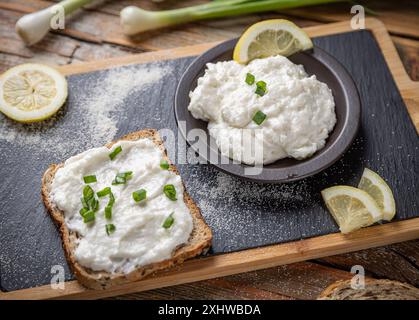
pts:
[94, 33]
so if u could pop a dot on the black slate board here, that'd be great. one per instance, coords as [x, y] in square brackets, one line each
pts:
[242, 214]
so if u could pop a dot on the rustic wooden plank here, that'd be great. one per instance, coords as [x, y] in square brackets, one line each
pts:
[239, 262]
[215, 289]
[397, 262]
[304, 280]
[408, 50]
[54, 48]
[100, 24]
[9, 60]
[400, 18]
[12, 44]
[402, 21]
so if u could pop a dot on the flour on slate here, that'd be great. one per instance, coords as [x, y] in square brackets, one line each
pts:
[93, 117]
[249, 202]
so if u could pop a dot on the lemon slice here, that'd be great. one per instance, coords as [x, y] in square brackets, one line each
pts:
[377, 188]
[31, 92]
[269, 38]
[352, 208]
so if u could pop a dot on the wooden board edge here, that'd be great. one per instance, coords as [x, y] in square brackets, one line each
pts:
[238, 262]
[146, 57]
[180, 52]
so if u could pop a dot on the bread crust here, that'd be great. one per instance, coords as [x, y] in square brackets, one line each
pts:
[375, 289]
[199, 241]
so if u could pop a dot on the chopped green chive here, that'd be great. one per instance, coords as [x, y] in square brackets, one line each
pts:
[104, 192]
[122, 177]
[170, 191]
[108, 209]
[110, 228]
[84, 203]
[139, 195]
[89, 179]
[127, 175]
[88, 193]
[164, 165]
[89, 216]
[93, 204]
[118, 180]
[83, 211]
[260, 88]
[259, 117]
[250, 79]
[90, 205]
[108, 212]
[111, 199]
[115, 152]
[168, 222]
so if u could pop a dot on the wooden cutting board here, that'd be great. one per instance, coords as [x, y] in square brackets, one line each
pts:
[232, 259]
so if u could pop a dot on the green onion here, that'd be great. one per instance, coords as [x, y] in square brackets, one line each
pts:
[108, 212]
[170, 191]
[139, 195]
[110, 228]
[260, 88]
[164, 165]
[111, 199]
[104, 192]
[84, 203]
[168, 222]
[259, 117]
[250, 78]
[83, 211]
[134, 19]
[115, 152]
[108, 209]
[122, 177]
[88, 193]
[89, 179]
[93, 204]
[127, 175]
[89, 201]
[89, 216]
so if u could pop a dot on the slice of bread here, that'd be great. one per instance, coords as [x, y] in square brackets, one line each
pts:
[374, 290]
[199, 241]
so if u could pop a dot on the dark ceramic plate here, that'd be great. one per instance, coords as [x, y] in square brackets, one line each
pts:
[326, 68]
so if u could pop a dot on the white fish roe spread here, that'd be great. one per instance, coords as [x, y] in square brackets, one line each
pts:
[299, 109]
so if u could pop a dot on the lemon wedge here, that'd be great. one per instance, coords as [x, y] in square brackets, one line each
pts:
[352, 208]
[377, 188]
[269, 38]
[32, 92]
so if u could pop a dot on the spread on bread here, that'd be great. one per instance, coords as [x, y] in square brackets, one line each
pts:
[126, 207]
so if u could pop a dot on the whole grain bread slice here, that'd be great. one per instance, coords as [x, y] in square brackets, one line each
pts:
[199, 241]
[375, 289]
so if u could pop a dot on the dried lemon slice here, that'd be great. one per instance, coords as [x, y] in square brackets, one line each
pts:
[377, 188]
[269, 38]
[352, 208]
[32, 92]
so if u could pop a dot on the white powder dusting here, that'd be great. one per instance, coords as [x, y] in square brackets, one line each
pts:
[92, 116]
[248, 199]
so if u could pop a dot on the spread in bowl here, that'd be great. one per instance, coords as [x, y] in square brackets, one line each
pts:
[294, 112]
